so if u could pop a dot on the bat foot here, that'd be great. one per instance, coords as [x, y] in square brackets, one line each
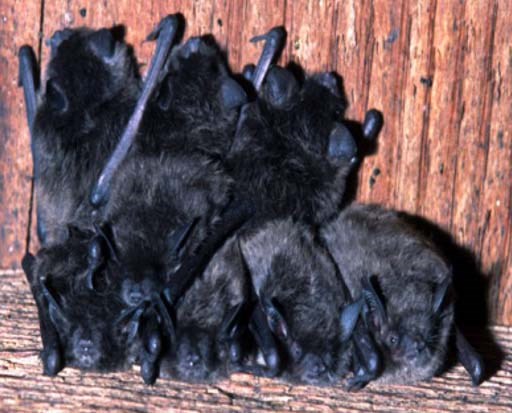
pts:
[274, 37]
[372, 125]
[168, 24]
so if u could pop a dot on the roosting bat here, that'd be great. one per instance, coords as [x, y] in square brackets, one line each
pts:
[300, 299]
[406, 286]
[208, 321]
[92, 86]
[170, 190]
[292, 153]
[77, 330]
[90, 92]
[291, 157]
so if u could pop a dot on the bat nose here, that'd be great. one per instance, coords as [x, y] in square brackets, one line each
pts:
[314, 366]
[193, 359]
[87, 353]
[413, 346]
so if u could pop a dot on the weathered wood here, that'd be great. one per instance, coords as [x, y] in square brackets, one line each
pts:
[24, 389]
[440, 71]
[19, 25]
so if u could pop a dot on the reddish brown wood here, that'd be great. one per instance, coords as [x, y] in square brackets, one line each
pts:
[19, 25]
[494, 218]
[24, 389]
[440, 72]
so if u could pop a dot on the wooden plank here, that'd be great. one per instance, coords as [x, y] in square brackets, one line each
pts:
[416, 106]
[390, 31]
[441, 146]
[494, 216]
[477, 94]
[24, 389]
[310, 24]
[19, 25]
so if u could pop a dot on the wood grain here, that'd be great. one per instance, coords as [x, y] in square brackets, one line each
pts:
[19, 24]
[24, 389]
[439, 70]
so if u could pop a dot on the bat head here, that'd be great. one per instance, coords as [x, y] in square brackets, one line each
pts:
[87, 69]
[85, 320]
[413, 339]
[194, 359]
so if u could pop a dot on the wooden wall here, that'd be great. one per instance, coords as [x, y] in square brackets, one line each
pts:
[440, 71]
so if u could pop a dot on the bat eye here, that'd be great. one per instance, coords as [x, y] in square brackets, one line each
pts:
[393, 340]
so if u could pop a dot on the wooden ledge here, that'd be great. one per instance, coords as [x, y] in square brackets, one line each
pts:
[24, 389]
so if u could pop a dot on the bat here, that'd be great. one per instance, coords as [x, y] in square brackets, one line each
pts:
[405, 283]
[209, 321]
[91, 87]
[76, 330]
[299, 303]
[104, 84]
[165, 195]
[292, 153]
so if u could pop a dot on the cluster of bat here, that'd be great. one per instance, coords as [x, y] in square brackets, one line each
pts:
[192, 223]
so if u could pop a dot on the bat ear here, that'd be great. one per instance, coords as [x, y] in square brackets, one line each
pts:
[27, 263]
[342, 145]
[103, 43]
[349, 317]
[231, 322]
[469, 358]
[373, 302]
[330, 81]
[56, 97]
[232, 94]
[275, 319]
[164, 96]
[57, 315]
[440, 296]
[179, 237]
[58, 37]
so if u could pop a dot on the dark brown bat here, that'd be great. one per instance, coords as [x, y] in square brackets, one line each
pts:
[405, 283]
[166, 196]
[89, 94]
[207, 321]
[301, 298]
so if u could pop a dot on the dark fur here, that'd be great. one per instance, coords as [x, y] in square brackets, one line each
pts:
[88, 98]
[300, 279]
[369, 241]
[90, 335]
[280, 158]
[202, 352]
[92, 86]
[173, 178]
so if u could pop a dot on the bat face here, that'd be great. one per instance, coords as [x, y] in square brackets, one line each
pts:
[89, 334]
[405, 283]
[208, 318]
[299, 292]
[413, 332]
